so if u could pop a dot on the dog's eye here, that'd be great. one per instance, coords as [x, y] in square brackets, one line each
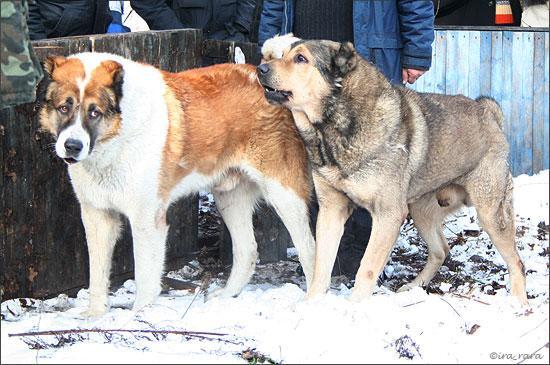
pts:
[299, 58]
[94, 113]
[63, 109]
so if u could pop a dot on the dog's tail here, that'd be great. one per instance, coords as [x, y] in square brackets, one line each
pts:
[491, 106]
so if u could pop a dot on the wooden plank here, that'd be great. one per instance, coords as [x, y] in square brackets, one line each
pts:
[524, 162]
[462, 62]
[516, 134]
[474, 64]
[451, 78]
[539, 100]
[485, 63]
[505, 82]
[440, 65]
[546, 104]
[497, 69]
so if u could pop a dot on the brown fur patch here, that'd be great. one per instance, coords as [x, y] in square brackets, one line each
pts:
[99, 91]
[219, 118]
[65, 74]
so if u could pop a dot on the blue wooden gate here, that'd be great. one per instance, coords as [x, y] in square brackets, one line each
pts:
[508, 65]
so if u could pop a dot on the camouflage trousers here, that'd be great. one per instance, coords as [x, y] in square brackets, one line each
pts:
[20, 69]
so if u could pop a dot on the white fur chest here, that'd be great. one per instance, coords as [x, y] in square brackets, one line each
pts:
[122, 173]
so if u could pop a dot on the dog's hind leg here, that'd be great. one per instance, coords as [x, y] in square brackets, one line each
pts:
[490, 190]
[149, 231]
[334, 210]
[236, 207]
[293, 211]
[102, 231]
[428, 217]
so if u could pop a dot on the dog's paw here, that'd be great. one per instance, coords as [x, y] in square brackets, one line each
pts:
[406, 287]
[93, 312]
[358, 294]
[142, 303]
[312, 296]
[220, 293]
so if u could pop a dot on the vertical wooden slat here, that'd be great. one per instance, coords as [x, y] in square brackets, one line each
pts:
[539, 99]
[504, 81]
[474, 65]
[497, 68]
[516, 131]
[546, 104]
[451, 83]
[462, 61]
[524, 162]
[485, 63]
[441, 64]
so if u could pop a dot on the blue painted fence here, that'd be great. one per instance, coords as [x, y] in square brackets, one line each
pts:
[508, 65]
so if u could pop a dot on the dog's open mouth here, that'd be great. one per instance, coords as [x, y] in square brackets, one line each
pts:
[70, 160]
[277, 96]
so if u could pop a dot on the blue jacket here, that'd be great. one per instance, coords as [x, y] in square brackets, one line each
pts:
[390, 33]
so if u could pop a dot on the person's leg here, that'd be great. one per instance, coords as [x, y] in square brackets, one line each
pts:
[353, 244]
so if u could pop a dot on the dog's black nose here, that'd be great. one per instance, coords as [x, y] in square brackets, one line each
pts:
[73, 147]
[263, 68]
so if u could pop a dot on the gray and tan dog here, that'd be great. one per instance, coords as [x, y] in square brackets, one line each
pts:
[393, 151]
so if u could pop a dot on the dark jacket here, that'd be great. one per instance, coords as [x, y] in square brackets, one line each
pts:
[395, 34]
[277, 18]
[58, 18]
[392, 33]
[219, 19]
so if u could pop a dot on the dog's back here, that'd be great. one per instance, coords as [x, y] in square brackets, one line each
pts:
[461, 131]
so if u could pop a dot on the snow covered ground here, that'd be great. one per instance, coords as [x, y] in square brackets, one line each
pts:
[464, 316]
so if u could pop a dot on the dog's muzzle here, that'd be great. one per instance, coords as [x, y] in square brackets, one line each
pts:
[273, 95]
[73, 144]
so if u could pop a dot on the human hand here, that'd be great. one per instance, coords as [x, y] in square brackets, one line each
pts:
[410, 75]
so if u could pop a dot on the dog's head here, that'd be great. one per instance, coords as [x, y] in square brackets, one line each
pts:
[307, 72]
[80, 104]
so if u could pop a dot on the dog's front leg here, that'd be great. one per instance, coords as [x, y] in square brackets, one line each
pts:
[102, 231]
[334, 210]
[386, 224]
[149, 230]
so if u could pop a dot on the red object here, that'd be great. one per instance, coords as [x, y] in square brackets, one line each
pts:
[503, 13]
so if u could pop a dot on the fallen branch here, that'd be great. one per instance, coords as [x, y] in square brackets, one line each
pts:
[178, 284]
[470, 298]
[411, 304]
[102, 331]
[451, 306]
[540, 324]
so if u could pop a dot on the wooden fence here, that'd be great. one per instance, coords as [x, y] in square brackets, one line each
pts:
[508, 65]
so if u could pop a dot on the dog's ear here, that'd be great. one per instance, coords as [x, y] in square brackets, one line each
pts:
[51, 63]
[116, 71]
[48, 65]
[345, 58]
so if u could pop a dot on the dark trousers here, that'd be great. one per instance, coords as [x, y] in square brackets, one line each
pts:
[353, 243]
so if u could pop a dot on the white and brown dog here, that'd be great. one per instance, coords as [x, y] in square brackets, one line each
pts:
[136, 139]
